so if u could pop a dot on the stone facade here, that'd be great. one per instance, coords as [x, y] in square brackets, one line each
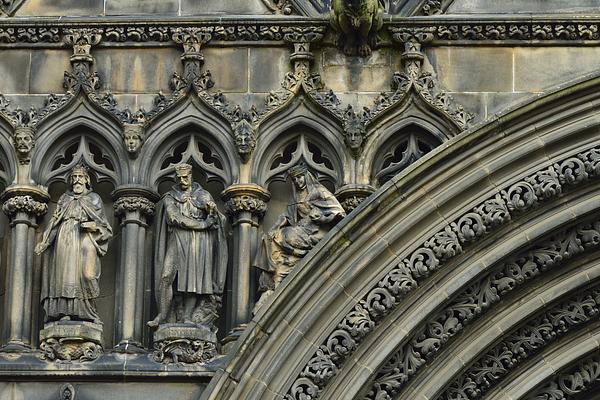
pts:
[464, 151]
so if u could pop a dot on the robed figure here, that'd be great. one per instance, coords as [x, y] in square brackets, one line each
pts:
[76, 237]
[191, 254]
[312, 213]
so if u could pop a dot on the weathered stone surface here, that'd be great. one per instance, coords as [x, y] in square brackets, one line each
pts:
[194, 7]
[225, 65]
[129, 7]
[48, 68]
[15, 71]
[538, 69]
[60, 8]
[482, 69]
[267, 66]
[523, 6]
[137, 70]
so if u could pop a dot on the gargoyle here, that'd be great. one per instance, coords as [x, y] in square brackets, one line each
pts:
[358, 22]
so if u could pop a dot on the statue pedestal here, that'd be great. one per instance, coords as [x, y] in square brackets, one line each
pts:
[185, 343]
[71, 341]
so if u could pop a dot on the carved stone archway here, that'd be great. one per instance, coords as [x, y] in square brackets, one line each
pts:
[467, 246]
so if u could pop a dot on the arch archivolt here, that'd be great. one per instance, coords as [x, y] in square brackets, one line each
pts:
[426, 237]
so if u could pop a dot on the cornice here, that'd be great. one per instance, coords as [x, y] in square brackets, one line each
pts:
[495, 29]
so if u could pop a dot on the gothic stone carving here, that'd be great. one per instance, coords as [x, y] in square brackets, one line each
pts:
[311, 214]
[24, 141]
[134, 203]
[67, 392]
[524, 342]
[191, 253]
[133, 136]
[174, 343]
[76, 237]
[497, 210]
[67, 341]
[358, 22]
[25, 204]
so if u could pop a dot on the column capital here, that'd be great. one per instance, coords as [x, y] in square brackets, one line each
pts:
[246, 197]
[32, 200]
[131, 198]
[350, 196]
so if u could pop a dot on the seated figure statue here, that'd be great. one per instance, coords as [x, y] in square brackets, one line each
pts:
[313, 211]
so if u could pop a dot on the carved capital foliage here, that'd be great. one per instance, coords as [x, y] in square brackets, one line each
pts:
[350, 196]
[449, 242]
[303, 34]
[250, 198]
[25, 204]
[134, 204]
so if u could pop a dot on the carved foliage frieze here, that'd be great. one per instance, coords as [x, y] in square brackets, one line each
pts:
[517, 198]
[522, 343]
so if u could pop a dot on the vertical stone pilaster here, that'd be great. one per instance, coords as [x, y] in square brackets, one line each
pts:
[246, 205]
[23, 205]
[134, 205]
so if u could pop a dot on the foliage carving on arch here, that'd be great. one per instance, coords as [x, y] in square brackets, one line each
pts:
[449, 242]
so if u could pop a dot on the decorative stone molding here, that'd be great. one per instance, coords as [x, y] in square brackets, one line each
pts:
[479, 297]
[67, 392]
[522, 343]
[246, 197]
[71, 341]
[519, 197]
[579, 379]
[184, 344]
[280, 6]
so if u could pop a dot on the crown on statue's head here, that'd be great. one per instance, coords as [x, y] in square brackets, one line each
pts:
[298, 169]
[81, 168]
[183, 169]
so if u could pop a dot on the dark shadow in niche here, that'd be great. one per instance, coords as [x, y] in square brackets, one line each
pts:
[401, 150]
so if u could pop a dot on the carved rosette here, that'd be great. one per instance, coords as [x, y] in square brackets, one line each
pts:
[246, 198]
[350, 196]
[25, 204]
[132, 204]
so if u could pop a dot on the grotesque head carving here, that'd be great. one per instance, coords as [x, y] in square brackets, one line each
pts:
[245, 140]
[133, 136]
[24, 141]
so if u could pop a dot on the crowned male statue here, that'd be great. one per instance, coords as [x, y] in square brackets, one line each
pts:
[311, 214]
[190, 268]
[75, 239]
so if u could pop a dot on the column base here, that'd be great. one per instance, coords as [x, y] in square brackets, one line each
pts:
[130, 347]
[16, 347]
[229, 341]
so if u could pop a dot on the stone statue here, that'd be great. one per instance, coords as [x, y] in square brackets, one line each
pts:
[358, 22]
[311, 214]
[191, 264]
[77, 236]
[191, 253]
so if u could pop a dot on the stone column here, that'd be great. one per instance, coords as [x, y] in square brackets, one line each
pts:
[246, 205]
[23, 205]
[133, 205]
[350, 196]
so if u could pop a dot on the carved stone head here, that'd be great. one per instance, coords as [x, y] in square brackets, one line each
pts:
[245, 139]
[133, 136]
[80, 179]
[24, 142]
[183, 176]
[354, 132]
